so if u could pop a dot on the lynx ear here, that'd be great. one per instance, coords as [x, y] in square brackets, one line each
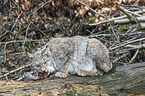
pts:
[30, 55]
[46, 51]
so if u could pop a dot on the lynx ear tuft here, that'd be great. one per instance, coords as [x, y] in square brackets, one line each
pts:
[47, 51]
[30, 55]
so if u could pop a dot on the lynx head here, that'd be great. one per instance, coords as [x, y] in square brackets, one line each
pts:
[42, 61]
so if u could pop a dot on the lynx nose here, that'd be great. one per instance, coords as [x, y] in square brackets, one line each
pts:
[43, 69]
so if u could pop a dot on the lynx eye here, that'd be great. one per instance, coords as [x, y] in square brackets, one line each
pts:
[44, 64]
[37, 66]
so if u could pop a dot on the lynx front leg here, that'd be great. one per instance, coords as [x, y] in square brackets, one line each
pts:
[66, 50]
[63, 72]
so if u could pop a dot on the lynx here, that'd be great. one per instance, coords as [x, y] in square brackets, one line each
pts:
[74, 55]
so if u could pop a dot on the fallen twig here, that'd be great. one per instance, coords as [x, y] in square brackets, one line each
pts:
[114, 19]
[92, 9]
[22, 77]
[23, 41]
[16, 21]
[15, 70]
[129, 16]
[134, 56]
[136, 46]
[120, 57]
[122, 21]
[40, 7]
[26, 34]
[127, 43]
[104, 35]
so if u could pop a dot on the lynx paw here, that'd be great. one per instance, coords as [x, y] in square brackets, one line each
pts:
[60, 74]
[81, 73]
[99, 73]
[84, 73]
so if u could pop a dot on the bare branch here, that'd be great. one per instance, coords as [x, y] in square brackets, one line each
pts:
[127, 43]
[134, 56]
[136, 46]
[16, 21]
[31, 21]
[114, 19]
[23, 41]
[92, 9]
[141, 19]
[26, 34]
[120, 57]
[40, 7]
[15, 70]
[130, 17]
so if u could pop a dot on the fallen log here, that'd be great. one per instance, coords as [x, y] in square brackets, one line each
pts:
[129, 79]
